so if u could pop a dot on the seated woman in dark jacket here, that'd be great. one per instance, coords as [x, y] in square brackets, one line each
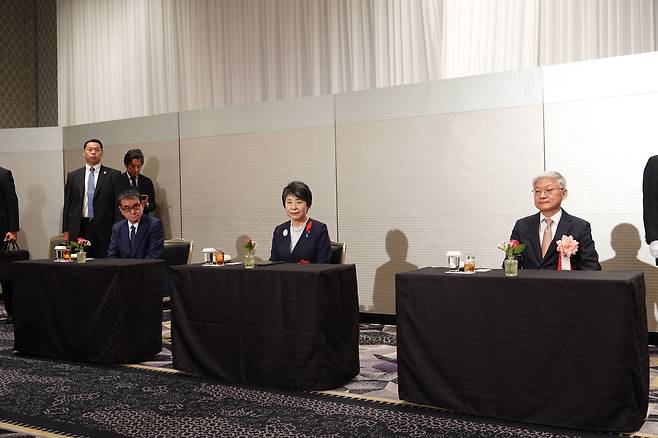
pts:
[301, 239]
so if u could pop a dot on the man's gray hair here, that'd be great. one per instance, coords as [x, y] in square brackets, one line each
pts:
[561, 181]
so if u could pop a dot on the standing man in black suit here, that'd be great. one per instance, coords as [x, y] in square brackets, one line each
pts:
[8, 228]
[541, 230]
[90, 201]
[132, 179]
[650, 198]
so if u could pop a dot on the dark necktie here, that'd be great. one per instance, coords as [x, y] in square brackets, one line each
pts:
[132, 236]
[133, 182]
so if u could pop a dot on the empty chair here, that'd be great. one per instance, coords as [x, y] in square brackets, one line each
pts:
[337, 253]
[175, 252]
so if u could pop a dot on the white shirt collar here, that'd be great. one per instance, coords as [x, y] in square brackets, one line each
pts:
[556, 217]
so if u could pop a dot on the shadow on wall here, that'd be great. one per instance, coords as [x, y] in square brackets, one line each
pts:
[626, 242]
[38, 239]
[397, 247]
[162, 210]
[240, 251]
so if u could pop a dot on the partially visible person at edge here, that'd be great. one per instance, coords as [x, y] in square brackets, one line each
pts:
[134, 179]
[90, 197]
[138, 236]
[8, 229]
[301, 239]
[650, 204]
[541, 230]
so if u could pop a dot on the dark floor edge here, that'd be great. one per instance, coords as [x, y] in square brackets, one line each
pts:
[379, 318]
[16, 426]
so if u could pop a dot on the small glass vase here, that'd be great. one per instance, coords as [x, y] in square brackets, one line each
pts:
[82, 257]
[511, 267]
[249, 260]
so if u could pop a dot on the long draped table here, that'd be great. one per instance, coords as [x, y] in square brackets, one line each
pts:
[559, 348]
[281, 326]
[100, 311]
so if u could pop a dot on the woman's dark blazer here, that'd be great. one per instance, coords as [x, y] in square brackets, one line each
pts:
[313, 245]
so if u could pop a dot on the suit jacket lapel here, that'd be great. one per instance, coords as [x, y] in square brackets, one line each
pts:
[534, 237]
[83, 186]
[142, 230]
[285, 240]
[303, 240]
[102, 175]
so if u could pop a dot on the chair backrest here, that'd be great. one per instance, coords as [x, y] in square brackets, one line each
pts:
[337, 253]
[54, 241]
[177, 251]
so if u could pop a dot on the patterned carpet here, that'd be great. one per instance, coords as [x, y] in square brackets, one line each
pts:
[105, 401]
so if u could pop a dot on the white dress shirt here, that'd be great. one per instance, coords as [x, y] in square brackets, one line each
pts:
[296, 234]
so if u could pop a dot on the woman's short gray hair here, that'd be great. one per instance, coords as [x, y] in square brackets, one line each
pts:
[561, 181]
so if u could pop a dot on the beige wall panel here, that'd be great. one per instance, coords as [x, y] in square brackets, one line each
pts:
[150, 129]
[161, 165]
[231, 185]
[34, 156]
[39, 198]
[157, 137]
[601, 146]
[411, 189]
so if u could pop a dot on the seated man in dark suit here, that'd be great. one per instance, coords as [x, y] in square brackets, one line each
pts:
[541, 230]
[140, 236]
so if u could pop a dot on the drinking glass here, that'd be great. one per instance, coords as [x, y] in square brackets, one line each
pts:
[469, 264]
[67, 254]
[59, 253]
[454, 257]
[219, 257]
[208, 255]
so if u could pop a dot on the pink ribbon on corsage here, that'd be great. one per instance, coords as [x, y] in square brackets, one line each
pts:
[566, 247]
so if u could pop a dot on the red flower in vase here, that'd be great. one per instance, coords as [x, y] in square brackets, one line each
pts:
[304, 262]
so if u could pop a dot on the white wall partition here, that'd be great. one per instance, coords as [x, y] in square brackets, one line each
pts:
[34, 156]
[600, 131]
[235, 162]
[449, 169]
[157, 137]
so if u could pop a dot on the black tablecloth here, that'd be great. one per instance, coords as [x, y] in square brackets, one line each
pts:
[560, 348]
[99, 311]
[281, 326]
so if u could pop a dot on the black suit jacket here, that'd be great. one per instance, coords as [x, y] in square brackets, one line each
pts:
[650, 199]
[8, 203]
[145, 187]
[148, 244]
[106, 212]
[314, 245]
[526, 230]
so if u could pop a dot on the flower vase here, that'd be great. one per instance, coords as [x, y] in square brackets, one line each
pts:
[82, 257]
[249, 260]
[511, 267]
